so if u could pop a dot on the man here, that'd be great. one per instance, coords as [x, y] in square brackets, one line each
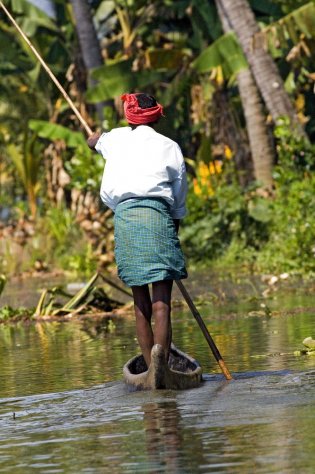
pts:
[144, 183]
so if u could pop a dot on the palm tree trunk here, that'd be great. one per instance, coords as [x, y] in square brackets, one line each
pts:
[261, 149]
[260, 145]
[264, 69]
[89, 44]
[226, 130]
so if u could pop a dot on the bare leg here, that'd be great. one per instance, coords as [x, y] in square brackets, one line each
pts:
[161, 308]
[143, 312]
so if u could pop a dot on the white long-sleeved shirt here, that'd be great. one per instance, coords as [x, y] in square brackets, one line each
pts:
[142, 163]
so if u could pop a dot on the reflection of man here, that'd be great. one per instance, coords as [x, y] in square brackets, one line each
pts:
[163, 436]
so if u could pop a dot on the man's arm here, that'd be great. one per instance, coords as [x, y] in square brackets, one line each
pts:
[93, 139]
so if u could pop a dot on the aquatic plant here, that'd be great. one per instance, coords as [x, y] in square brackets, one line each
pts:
[309, 343]
[90, 299]
[9, 314]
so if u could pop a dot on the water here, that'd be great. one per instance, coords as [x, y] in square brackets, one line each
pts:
[64, 408]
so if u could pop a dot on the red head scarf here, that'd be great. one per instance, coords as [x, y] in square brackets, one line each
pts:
[136, 115]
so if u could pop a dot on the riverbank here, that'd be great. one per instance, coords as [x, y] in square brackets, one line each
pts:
[257, 294]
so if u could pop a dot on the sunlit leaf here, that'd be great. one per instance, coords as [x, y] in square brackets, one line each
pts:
[117, 78]
[260, 210]
[225, 52]
[53, 131]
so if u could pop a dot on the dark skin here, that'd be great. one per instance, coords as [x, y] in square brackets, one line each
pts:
[157, 307]
[93, 139]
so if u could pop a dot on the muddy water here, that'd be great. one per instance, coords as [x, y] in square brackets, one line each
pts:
[64, 408]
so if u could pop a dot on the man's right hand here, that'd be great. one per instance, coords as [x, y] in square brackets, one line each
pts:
[93, 139]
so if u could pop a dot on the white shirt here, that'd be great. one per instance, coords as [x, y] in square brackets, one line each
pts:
[142, 163]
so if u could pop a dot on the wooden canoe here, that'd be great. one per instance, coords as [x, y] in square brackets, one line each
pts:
[181, 372]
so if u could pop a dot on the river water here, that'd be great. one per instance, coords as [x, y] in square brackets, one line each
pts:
[65, 409]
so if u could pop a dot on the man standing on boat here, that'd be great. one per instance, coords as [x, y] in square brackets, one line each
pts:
[144, 183]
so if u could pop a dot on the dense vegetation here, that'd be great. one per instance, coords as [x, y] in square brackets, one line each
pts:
[239, 100]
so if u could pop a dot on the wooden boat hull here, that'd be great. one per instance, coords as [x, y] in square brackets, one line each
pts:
[182, 372]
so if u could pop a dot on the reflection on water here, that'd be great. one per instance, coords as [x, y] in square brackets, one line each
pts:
[163, 437]
[64, 409]
[259, 424]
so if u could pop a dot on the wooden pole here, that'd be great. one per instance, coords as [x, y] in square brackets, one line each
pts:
[111, 283]
[205, 331]
[49, 72]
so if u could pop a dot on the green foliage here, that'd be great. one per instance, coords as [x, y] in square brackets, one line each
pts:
[224, 52]
[274, 234]
[295, 154]
[59, 242]
[297, 22]
[32, 17]
[117, 78]
[214, 224]
[27, 162]
[288, 6]
[85, 169]
[152, 46]
[80, 261]
[53, 131]
[291, 243]
[7, 313]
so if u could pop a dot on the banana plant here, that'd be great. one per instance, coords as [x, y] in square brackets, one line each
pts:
[118, 77]
[295, 27]
[226, 53]
[26, 159]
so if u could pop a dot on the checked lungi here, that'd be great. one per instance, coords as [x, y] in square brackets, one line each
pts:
[147, 248]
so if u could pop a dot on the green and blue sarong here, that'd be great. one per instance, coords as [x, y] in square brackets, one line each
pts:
[147, 248]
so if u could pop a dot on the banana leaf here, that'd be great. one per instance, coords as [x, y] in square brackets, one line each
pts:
[113, 69]
[32, 17]
[81, 296]
[291, 26]
[225, 52]
[9, 54]
[41, 304]
[205, 19]
[117, 78]
[52, 131]
[115, 84]
[17, 158]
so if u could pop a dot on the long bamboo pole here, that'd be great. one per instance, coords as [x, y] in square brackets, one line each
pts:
[48, 70]
[204, 330]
